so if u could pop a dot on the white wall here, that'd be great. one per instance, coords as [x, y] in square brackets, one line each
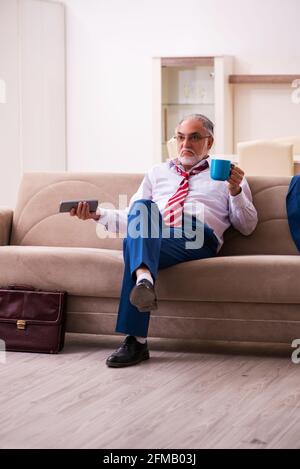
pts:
[110, 45]
[32, 67]
[42, 82]
[10, 171]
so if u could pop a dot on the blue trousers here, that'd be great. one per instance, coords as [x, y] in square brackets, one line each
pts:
[155, 251]
[293, 209]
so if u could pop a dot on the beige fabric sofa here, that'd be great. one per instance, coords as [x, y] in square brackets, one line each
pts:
[250, 292]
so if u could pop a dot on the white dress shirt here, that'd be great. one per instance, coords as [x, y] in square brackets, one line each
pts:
[220, 209]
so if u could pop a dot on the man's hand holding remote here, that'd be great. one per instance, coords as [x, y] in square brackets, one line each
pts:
[83, 212]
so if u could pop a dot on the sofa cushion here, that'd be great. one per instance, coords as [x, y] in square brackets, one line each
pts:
[272, 234]
[266, 279]
[98, 272]
[37, 221]
[79, 271]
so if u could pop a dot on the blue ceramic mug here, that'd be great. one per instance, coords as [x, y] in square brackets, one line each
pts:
[220, 169]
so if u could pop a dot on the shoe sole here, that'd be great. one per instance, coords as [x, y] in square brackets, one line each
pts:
[146, 356]
[143, 298]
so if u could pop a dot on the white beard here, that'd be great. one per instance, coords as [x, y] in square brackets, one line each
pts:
[190, 160]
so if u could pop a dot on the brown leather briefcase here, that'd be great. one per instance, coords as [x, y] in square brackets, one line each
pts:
[32, 320]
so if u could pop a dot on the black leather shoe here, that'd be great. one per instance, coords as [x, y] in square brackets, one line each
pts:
[131, 352]
[143, 296]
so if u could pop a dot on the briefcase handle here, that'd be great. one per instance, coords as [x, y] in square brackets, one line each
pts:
[31, 288]
[20, 287]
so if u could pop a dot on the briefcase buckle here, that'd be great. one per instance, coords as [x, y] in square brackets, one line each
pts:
[21, 324]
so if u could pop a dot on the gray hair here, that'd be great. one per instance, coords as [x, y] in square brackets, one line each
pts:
[207, 123]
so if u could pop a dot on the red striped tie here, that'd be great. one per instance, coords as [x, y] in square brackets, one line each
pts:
[172, 213]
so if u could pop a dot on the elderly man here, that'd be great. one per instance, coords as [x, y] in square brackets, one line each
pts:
[161, 203]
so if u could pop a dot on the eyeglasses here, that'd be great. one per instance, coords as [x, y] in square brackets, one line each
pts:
[195, 137]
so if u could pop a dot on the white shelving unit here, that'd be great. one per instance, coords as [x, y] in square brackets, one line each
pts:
[188, 85]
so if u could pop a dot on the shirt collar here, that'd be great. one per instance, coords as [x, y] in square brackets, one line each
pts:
[175, 162]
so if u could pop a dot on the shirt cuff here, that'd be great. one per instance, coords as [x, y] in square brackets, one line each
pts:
[239, 201]
[104, 216]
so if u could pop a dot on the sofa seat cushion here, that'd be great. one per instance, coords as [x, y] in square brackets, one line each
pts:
[79, 271]
[98, 273]
[256, 278]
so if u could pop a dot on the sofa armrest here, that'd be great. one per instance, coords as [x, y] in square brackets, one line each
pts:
[6, 216]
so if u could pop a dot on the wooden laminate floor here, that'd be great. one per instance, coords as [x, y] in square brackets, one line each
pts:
[188, 395]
